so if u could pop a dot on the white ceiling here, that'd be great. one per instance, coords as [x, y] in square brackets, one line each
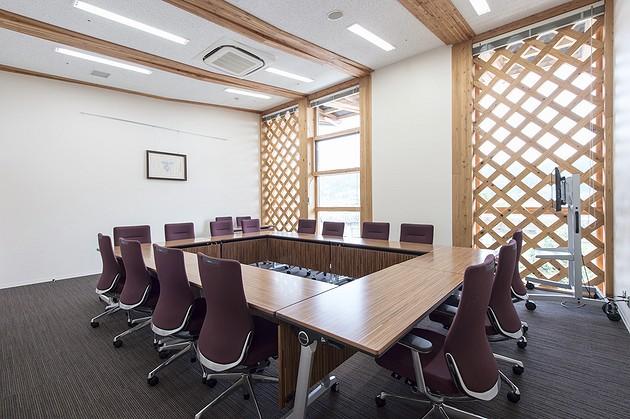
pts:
[23, 51]
[502, 12]
[304, 18]
[386, 18]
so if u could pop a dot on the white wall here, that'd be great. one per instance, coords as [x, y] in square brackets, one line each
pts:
[411, 143]
[65, 176]
[622, 153]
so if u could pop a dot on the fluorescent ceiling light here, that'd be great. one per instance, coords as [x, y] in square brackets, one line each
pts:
[480, 6]
[369, 36]
[129, 22]
[287, 74]
[102, 60]
[247, 93]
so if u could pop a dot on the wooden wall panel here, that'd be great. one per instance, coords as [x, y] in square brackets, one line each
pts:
[365, 106]
[356, 262]
[541, 104]
[326, 359]
[281, 166]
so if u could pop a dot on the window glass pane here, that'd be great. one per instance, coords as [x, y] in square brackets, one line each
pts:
[340, 190]
[350, 218]
[338, 115]
[337, 153]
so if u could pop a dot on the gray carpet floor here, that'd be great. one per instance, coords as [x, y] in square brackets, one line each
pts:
[54, 365]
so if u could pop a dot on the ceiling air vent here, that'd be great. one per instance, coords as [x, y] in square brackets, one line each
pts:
[233, 60]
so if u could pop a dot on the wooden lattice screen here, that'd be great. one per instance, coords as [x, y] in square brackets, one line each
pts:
[280, 171]
[539, 104]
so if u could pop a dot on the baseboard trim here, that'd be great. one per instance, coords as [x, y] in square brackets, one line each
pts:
[41, 280]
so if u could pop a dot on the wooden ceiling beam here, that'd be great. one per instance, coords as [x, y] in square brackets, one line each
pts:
[25, 72]
[36, 28]
[224, 14]
[442, 18]
[532, 19]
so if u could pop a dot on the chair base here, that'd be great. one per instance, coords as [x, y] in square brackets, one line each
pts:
[109, 309]
[244, 380]
[184, 348]
[438, 408]
[141, 323]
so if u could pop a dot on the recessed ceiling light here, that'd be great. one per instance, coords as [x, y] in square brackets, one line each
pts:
[480, 6]
[129, 22]
[369, 36]
[247, 93]
[335, 15]
[288, 75]
[102, 60]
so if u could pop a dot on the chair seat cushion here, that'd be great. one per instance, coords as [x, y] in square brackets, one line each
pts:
[436, 373]
[264, 344]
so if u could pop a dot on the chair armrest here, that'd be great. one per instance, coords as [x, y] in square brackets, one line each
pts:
[416, 343]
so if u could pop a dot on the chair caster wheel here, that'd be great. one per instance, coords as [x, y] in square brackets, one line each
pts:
[211, 382]
[193, 359]
[380, 402]
[513, 397]
[94, 324]
[530, 286]
[153, 380]
[530, 306]
[335, 388]
[164, 354]
[517, 369]
[246, 396]
[117, 343]
[130, 324]
[525, 329]
[521, 343]
[396, 375]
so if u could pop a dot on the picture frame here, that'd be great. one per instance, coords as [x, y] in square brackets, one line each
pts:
[166, 166]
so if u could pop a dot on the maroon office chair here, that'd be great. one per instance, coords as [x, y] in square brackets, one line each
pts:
[141, 234]
[331, 228]
[503, 322]
[221, 228]
[111, 281]
[232, 342]
[307, 226]
[230, 219]
[416, 233]
[457, 366]
[179, 231]
[141, 289]
[250, 226]
[239, 220]
[378, 231]
[179, 313]
[519, 290]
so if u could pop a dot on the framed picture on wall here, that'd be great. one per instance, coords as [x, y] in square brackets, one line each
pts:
[169, 166]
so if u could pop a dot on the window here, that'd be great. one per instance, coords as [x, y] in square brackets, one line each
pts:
[337, 161]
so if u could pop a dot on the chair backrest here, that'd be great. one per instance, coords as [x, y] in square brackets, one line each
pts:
[137, 233]
[113, 275]
[250, 226]
[176, 299]
[379, 231]
[228, 327]
[416, 233]
[307, 226]
[224, 219]
[221, 228]
[518, 288]
[332, 228]
[466, 347]
[240, 219]
[502, 313]
[179, 231]
[138, 281]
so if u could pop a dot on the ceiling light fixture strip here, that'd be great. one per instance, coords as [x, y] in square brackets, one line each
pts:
[592, 11]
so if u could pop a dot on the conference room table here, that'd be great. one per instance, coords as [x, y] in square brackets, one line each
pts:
[320, 325]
